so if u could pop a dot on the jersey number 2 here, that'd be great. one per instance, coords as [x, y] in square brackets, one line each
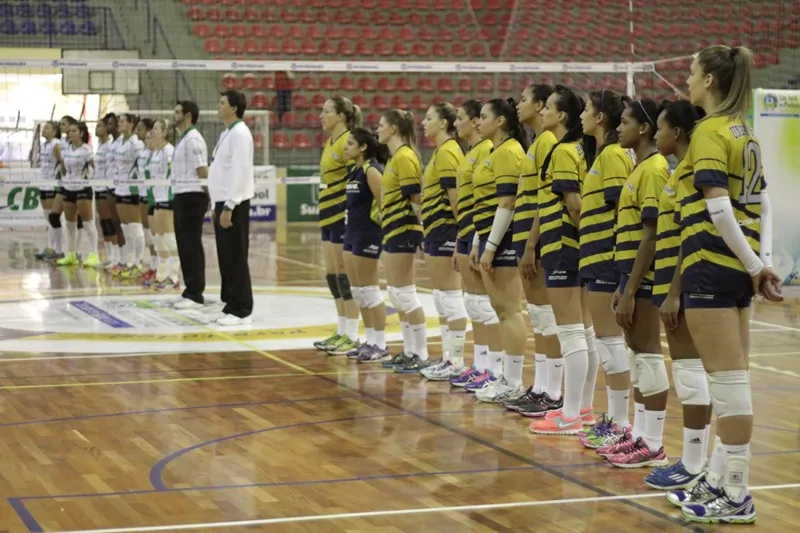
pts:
[751, 180]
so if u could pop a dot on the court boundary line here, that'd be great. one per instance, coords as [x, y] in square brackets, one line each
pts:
[411, 511]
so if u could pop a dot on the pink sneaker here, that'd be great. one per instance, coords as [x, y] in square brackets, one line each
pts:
[587, 416]
[554, 423]
[622, 443]
[639, 456]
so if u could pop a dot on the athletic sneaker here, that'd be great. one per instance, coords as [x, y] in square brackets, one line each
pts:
[91, 261]
[435, 367]
[554, 423]
[499, 391]
[672, 477]
[445, 372]
[587, 416]
[400, 359]
[356, 353]
[70, 259]
[639, 456]
[699, 493]
[515, 403]
[432, 363]
[539, 407]
[45, 254]
[167, 284]
[342, 346]
[373, 354]
[721, 510]
[596, 436]
[149, 277]
[465, 378]
[480, 381]
[621, 443]
[414, 364]
[323, 344]
[130, 272]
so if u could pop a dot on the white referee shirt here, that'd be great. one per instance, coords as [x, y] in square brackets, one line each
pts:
[190, 154]
[231, 177]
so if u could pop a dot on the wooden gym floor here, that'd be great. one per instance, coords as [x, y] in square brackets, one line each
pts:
[289, 440]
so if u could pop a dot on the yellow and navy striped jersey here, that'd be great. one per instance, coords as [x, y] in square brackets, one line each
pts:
[475, 157]
[526, 205]
[440, 175]
[668, 232]
[401, 179]
[723, 153]
[497, 176]
[333, 169]
[558, 234]
[599, 197]
[638, 202]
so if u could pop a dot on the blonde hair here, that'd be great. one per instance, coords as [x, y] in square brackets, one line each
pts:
[406, 126]
[731, 70]
[351, 112]
[169, 132]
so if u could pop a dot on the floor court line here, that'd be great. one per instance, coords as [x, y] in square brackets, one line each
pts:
[401, 512]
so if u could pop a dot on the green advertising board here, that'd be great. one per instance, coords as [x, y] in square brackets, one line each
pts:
[302, 200]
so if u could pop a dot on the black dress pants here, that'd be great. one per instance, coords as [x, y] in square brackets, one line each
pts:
[189, 210]
[233, 246]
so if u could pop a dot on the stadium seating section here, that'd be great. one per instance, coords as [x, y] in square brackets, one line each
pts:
[56, 17]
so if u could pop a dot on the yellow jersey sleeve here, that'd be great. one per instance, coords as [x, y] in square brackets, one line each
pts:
[409, 172]
[650, 191]
[710, 168]
[616, 169]
[507, 165]
[447, 164]
[564, 166]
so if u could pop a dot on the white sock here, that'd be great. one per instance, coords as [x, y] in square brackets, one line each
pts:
[591, 373]
[654, 429]
[341, 327]
[58, 240]
[80, 240]
[126, 256]
[512, 368]
[618, 406]
[716, 465]
[174, 264]
[540, 374]
[419, 333]
[481, 362]
[380, 339]
[495, 362]
[116, 254]
[351, 328]
[108, 247]
[91, 234]
[737, 471]
[72, 236]
[408, 340]
[576, 366]
[137, 231]
[369, 336]
[444, 329]
[457, 341]
[694, 450]
[555, 370]
[709, 442]
[638, 420]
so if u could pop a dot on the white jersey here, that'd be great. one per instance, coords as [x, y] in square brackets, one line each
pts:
[111, 169]
[48, 166]
[103, 163]
[141, 163]
[126, 159]
[79, 167]
[159, 168]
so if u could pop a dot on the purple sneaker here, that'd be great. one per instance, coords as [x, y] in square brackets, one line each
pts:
[480, 381]
[357, 352]
[465, 378]
[373, 354]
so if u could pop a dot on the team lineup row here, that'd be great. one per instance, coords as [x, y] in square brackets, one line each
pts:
[601, 238]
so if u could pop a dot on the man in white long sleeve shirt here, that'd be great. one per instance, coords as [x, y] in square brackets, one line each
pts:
[231, 186]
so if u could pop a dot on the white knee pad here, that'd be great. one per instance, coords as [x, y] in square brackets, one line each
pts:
[148, 237]
[356, 292]
[546, 319]
[371, 294]
[487, 312]
[453, 305]
[473, 308]
[170, 242]
[613, 355]
[537, 329]
[572, 338]
[632, 363]
[651, 373]
[438, 296]
[591, 339]
[407, 299]
[391, 292]
[158, 243]
[730, 393]
[691, 382]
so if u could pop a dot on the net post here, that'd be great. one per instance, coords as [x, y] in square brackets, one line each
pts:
[631, 90]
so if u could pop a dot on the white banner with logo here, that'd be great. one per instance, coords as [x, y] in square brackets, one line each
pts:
[776, 120]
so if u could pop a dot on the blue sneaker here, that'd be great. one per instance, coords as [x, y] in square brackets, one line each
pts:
[721, 510]
[466, 376]
[701, 492]
[480, 381]
[673, 477]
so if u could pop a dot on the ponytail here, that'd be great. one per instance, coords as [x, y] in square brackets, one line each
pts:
[731, 69]
[350, 111]
[508, 110]
[572, 104]
[406, 126]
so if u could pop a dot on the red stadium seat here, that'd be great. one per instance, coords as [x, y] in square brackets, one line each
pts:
[420, 50]
[308, 48]
[317, 101]
[365, 84]
[424, 85]
[384, 85]
[403, 84]
[222, 31]
[212, 46]
[400, 50]
[379, 102]
[258, 141]
[371, 120]
[258, 31]
[382, 49]
[232, 46]
[326, 49]
[295, 32]
[327, 83]
[314, 32]
[289, 47]
[233, 15]
[240, 30]
[195, 14]
[311, 119]
[307, 83]
[444, 85]
[465, 85]
[259, 101]
[202, 30]
[230, 81]
[299, 101]
[360, 101]
[213, 14]
[280, 140]
[346, 49]
[398, 102]
[291, 120]
[252, 15]
[347, 84]
[251, 47]
[418, 104]
[250, 82]
[301, 141]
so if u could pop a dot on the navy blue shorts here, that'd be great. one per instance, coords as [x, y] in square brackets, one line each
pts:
[463, 246]
[439, 248]
[720, 300]
[333, 234]
[658, 301]
[401, 248]
[561, 279]
[602, 285]
[504, 256]
[645, 289]
[368, 246]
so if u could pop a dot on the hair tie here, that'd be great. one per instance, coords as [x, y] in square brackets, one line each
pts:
[734, 52]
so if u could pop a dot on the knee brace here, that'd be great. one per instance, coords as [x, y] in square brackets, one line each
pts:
[391, 292]
[691, 382]
[170, 242]
[730, 393]
[632, 363]
[546, 319]
[148, 237]
[344, 286]
[356, 292]
[487, 312]
[613, 355]
[107, 225]
[591, 339]
[453, 304]
[407, 299]
[371, 295]
[537, 328]
[472, 307]
[572, 338]
[158, 243]
[54, 219]
[651, 373]
[333, 286]
[80, 222]
[438, 296]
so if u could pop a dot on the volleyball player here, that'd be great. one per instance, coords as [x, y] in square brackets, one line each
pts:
[49, 165]
[634, 254]
[338, 117]
[536, 401]
[495, 190]
[363, 239]
[77, 168]
[126, 158]
[118, 239]
[102, 159]
[158, 168]
[402, 234]
[559, 202]
[485, 323]
[675, 125]
[725, 224]
[599, 199]
[439, 211]
[58, 202]
[146, 205]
